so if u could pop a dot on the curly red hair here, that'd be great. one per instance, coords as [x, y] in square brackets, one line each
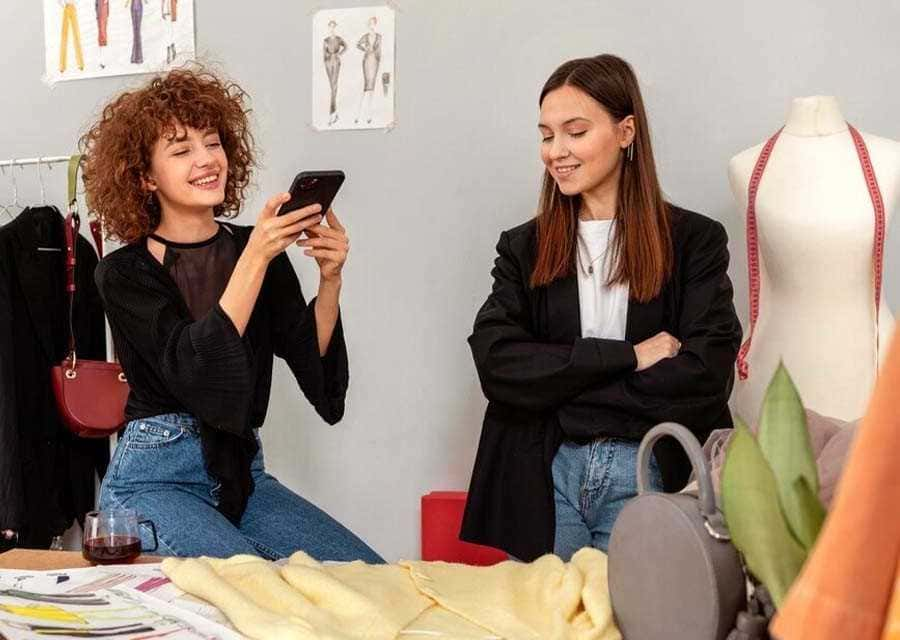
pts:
[118, 147]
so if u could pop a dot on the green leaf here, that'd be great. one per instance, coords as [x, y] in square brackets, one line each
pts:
[751, 508]
[785, 444]
[811, 513]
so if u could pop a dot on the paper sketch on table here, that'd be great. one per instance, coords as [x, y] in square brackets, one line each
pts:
[95, 38]
[353, 53]
[135, 601]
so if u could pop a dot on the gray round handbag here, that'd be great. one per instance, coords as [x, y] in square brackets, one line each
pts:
[673, 572]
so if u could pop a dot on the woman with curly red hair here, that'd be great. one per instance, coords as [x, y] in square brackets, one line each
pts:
[198, 308]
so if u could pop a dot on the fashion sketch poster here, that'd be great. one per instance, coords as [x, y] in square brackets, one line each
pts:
[353, 70]
[95, 38]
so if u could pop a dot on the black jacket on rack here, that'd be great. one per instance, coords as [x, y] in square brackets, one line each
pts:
[46, 473]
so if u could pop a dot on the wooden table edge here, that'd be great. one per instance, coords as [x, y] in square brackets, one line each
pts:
[44, 560]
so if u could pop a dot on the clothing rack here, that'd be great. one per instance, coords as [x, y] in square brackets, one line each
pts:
[16, 162]
[21, 162]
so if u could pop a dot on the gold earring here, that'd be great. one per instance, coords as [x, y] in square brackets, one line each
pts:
[630, 152]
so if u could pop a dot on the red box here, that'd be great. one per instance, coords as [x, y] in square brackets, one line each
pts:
[442, 513]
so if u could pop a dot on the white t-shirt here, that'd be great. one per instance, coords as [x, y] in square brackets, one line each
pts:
[604, 309]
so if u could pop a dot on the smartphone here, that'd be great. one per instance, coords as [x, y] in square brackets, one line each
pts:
[313, 187]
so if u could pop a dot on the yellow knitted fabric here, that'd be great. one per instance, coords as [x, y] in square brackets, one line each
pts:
[307, 600]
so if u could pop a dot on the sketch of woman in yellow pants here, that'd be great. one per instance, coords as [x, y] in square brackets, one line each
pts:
[70, 21]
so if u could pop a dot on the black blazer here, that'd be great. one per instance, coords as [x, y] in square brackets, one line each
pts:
[545, 383]
[46, 474]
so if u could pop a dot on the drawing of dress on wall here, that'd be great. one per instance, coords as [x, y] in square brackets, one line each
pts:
[69, 23]
[125, 37]
[101, 7]
[332, 48]
[137, 16]
[370, 45]
[170, 16]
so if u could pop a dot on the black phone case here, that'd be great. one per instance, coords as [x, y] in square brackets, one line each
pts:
[313, 187]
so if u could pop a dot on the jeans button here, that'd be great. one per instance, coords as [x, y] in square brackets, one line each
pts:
[166, 433]
[143, 427]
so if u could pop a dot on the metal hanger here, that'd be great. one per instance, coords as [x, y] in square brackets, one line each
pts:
[44, 200]
[41, 181]
[15, 202]
[4, 207]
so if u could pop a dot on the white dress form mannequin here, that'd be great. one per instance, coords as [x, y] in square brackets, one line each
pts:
[816, 226]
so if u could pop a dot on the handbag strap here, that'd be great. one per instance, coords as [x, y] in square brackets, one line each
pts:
[95, 224]
[715, 523]
[72, 226]
[72, 229]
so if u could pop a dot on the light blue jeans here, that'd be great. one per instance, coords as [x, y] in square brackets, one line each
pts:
[158, 470]
[592, 483]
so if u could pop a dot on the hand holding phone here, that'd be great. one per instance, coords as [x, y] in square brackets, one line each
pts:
[273, 233]
[329, 245]
[313, 187]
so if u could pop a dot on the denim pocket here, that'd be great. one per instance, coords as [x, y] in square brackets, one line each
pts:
[147, 434]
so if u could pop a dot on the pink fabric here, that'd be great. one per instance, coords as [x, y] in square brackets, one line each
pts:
[831, 440]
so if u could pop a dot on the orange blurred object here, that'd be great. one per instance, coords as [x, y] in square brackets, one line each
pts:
[845, 587]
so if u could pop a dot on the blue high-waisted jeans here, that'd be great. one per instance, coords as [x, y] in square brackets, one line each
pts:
[158, 470]
[592, 483]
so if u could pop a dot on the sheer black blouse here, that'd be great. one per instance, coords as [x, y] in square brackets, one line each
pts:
[181, 352]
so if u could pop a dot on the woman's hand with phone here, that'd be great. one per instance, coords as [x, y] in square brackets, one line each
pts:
[328, 245]
[273, 233]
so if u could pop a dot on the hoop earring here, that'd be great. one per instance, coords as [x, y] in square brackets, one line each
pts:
[630, 152]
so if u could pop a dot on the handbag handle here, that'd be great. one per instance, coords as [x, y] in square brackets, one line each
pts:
[715, 522]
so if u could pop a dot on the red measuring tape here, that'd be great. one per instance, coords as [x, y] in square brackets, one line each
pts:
[753, 239]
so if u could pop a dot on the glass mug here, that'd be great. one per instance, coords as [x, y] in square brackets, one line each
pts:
[112, 536]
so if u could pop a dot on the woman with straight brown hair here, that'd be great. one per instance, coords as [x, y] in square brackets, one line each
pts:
[611, 311]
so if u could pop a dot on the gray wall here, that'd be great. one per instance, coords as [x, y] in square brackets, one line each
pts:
[425, 203]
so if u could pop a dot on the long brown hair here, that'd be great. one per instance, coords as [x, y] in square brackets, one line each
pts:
[642, 247]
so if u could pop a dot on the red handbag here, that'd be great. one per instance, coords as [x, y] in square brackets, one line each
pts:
[90, 394]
